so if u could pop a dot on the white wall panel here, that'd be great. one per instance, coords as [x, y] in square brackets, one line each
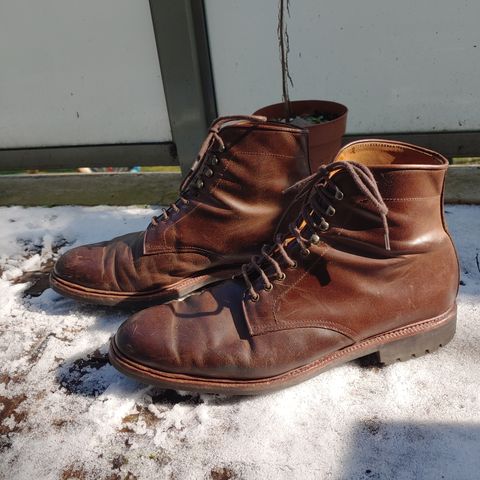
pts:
[400, 66]
[79, 72]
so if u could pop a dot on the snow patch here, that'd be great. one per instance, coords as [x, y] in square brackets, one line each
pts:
[66, 413]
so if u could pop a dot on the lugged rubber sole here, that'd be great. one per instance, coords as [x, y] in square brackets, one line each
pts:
[400, 344]
[107, 298]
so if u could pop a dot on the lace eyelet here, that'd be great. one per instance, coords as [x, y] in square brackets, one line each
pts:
[268, 288]
[305, 253]
[255, 298]
[214, 161]
[338, 194]
[281, 277]
[200, 183]
[208, 172]
[324, 226]
[314, 239]
[295, 265]
[330, 211]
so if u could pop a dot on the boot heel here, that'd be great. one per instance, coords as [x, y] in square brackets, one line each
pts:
[418, 345]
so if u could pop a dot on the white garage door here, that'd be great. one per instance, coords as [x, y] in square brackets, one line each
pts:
[403, 66]
[76, 72]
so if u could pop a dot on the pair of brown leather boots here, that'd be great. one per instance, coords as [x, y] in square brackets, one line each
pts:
[311, 269]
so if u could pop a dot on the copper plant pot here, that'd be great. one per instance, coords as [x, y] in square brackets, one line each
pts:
[325, 139]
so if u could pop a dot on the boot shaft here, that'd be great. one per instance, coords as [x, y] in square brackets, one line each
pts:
[259, 163]
[236, 192]
[350, 271]
[410, 180]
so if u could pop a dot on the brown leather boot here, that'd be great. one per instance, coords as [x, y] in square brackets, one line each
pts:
[367, 267]
[229, 205]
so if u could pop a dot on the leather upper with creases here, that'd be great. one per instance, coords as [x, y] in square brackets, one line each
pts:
[231, 204]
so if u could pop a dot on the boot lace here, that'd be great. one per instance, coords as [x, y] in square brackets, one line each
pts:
[204, 165]
[316, 193]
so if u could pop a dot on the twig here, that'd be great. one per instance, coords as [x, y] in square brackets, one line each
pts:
[284, 44]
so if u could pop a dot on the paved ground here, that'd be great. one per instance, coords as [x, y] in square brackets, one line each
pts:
[66, 413]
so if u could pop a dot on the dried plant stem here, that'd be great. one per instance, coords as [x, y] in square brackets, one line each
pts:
[284, 44]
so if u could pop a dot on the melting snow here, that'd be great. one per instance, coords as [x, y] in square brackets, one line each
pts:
[65, 413]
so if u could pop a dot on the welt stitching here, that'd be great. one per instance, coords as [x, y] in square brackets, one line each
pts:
[414, 170]
[261, 154]
[396, 199]
[417, 328]
[410, 198]
[186, 250]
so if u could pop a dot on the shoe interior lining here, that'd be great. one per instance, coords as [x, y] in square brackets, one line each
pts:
[378, 153]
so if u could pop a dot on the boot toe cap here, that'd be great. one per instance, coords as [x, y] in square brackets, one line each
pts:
[81, 266]
[145, 338]
[197, 336]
